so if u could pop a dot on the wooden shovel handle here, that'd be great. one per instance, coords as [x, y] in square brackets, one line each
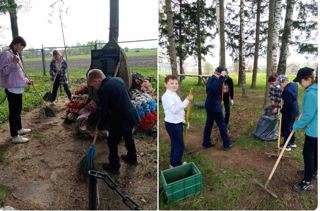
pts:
[95, 137]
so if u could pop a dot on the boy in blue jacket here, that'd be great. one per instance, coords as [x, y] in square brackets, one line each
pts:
[290, 109]
[214, 109]
[308, 122]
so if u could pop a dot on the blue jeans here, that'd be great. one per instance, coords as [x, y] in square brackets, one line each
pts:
[175, 132]
[218, 118]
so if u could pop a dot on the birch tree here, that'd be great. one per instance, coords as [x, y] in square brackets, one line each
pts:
[242, 69]
[256, 48]
[269, 49]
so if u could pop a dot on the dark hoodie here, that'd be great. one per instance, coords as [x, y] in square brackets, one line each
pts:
[290, 100]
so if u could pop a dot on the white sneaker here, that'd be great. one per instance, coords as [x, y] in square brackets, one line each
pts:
[19, 139]
[293, 145]
[184, 163]
[24, 131]
[288, 148]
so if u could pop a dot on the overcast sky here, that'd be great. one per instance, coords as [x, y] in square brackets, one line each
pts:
[85, 21]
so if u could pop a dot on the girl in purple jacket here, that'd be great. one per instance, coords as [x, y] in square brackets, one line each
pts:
[13, 80]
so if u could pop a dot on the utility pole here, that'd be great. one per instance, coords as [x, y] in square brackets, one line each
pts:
[114, 20]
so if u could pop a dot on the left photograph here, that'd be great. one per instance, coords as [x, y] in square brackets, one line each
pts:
[78, 104]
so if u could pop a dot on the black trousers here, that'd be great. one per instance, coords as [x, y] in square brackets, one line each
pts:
[310, 157]
[15, 108]
[286, 128]
[56, 84]
[218, 118]
[226, 103]
[116, 132]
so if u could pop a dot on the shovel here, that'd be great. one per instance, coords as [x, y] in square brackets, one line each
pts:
[48, 95]
[48, 112]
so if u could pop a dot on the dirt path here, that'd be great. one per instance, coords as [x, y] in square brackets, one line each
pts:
[42, 173]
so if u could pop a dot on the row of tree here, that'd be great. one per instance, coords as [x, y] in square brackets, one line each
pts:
[246, 29]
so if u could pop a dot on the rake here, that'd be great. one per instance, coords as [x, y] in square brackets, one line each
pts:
[48, 112]
[265, 186]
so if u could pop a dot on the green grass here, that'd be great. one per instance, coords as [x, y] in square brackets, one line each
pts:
[230, 187]
[130, 53]
[3, 152]
[32, 98]
[3, 191]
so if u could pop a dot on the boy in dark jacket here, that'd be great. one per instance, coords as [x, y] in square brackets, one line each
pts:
[290, 109]
[214, 110]
[117, 117]
[227, 89]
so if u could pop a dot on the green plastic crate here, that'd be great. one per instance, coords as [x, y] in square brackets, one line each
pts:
[181, 181]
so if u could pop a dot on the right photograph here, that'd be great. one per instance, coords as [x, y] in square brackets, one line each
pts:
[238, 105]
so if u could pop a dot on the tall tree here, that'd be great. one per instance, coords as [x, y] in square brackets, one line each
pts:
[269, 49]
[233, 28]
[203, 19]
[222, 55]
[256, 48]
[242, 69]
[286, 35]
[183, 29]
[180, 40]
[275, 34]
[199, 41]
[12, 9]
[172, 45]
[306, 27]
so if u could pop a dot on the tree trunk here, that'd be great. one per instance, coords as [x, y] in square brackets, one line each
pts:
[256, 47]
[199, 42]
[239, 72]
[222, 61]
[180, 43]
[12, 9]
[282, 65]
[275, 34]
[241, 51]
[172, 46]
[269, 50]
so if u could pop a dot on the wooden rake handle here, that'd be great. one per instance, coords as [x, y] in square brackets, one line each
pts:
[279, 158]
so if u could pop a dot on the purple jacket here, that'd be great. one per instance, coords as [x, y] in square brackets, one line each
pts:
[11, 75]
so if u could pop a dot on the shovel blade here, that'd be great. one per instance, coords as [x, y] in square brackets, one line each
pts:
[47, 97]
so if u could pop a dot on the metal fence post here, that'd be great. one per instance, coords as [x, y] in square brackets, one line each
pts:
[43, 61]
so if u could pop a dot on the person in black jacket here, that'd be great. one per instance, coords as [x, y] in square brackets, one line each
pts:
[227, 89]
[214, 110]
[117, 118]
[290, 109]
